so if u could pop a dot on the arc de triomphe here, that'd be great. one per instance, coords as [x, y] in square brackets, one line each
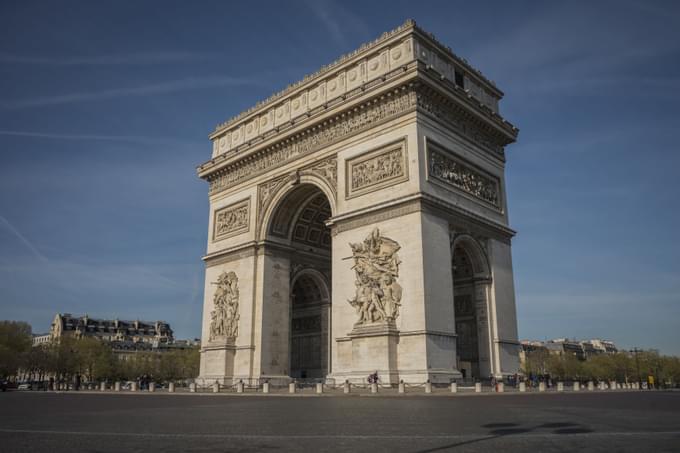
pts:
[358, 223]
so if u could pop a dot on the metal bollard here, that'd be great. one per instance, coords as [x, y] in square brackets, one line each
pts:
[591, 386]
[577, 386]
[541, 386]
[265, 387]
[454, 387]
[102, 386]
[152, 387]
[402, 386]
[428, 386]
[319, 387]
[192, 387]
[239, 386]
[374, 388]
[478, 387]
[500, 387]
[216, 387]
[171, 387]
[116, 386]
[560, 386]
[291, 387]
[133, 387]
[346, 387]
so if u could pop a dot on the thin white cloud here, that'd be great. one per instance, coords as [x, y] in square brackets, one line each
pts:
[322, 10]
[9, 227]
[190, 83]
[94, 137]
[104, 60]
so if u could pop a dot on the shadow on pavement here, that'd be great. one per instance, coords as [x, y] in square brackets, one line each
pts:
[498, 430]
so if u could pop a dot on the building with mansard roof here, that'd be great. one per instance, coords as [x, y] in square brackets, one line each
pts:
[115, 331]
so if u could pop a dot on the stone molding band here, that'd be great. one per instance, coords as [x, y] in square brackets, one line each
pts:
[384, 107]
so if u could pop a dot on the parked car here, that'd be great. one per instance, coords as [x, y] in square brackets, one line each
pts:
[24, 386]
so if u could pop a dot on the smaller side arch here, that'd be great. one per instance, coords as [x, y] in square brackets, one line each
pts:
[319, 278]
[478, 257]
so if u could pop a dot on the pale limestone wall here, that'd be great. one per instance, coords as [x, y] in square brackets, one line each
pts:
[273, 337]
[226, 199]
[214, 361]
[402, 130]
[503, 305]
[430, 132]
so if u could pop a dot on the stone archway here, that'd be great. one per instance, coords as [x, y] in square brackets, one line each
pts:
[296, 229]
[471, 279]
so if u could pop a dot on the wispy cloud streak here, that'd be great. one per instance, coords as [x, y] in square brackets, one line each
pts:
[105, 60]
[94, 137]
[9, 227]
[190, 83]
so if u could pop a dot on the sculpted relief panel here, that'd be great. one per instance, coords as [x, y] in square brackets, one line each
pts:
[453, 172]
[231, 220]
[377, 169]
[376, 266]
[225, 315]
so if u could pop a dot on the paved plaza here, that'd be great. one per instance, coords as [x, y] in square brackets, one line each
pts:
[69, 421]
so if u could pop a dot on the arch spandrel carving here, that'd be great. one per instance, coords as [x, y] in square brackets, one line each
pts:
[272, 193]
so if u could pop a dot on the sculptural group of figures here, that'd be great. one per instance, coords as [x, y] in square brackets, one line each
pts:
[376, 264]
[225, 316]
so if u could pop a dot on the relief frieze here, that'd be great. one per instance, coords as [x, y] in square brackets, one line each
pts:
[231, 220]
[453, 172]
[377, 169]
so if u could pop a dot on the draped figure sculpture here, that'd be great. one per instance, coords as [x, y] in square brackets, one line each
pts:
[376, 265]
[225, 316]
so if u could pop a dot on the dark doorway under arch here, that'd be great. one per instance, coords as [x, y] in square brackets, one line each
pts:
[467, 345]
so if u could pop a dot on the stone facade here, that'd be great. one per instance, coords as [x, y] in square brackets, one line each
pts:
[362, 213]
[110, 330]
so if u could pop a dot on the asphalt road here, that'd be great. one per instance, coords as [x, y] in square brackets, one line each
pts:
[607, 422]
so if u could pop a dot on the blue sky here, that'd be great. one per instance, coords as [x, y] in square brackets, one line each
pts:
[105, 110]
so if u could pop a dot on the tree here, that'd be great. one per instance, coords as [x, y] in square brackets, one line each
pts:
[15, 340]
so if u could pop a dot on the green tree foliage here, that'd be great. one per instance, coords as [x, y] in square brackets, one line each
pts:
[15, 340]
[621, 366]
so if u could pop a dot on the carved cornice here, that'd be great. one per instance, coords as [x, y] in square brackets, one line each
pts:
[370, 114]
[415, 203]
[324, 71]
[491, 135]
[370, 57]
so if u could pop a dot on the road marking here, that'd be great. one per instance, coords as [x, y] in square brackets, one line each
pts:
[342, 436]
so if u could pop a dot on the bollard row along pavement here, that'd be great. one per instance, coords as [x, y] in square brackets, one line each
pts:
[347, 387]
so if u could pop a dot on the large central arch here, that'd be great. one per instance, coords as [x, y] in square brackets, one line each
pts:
[295, 230]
